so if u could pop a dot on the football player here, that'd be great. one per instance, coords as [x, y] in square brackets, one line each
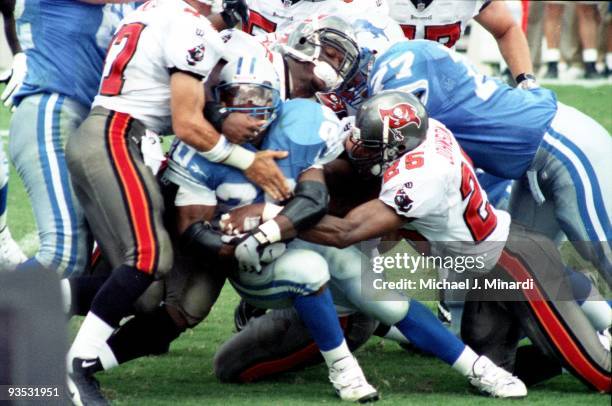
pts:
[444, 21]
[297, 277]
[143, 86]
[63, 72]
[10, 253]
[429, 184]
[516, 134]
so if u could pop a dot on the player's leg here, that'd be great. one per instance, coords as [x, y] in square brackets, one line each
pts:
[588, 21]
[124, 206]
[299, 277]
[10, 253]
[278, 342]
[547, 312]
[553, 12]
[415, 321]
[573, 175]
[40, 128]
[542, 217]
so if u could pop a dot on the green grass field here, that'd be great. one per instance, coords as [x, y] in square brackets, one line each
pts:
[185, 377]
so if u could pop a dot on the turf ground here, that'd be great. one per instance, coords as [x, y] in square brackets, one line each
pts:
[185, 377]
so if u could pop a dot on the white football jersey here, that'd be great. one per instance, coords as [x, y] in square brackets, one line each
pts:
[267, 16]
[435, 185]
[443, 21]
[160, 37]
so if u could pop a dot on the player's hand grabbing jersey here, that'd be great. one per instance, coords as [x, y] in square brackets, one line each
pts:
[161, 37]
[435, 186]
[442, 21]
[311, 134]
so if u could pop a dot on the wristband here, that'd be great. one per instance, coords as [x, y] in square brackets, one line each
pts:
[239, 157]
[270, 211]
[524, 76]
[272, 231]
[220, 151]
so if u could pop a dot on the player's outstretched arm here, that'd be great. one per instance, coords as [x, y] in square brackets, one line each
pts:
[372, 219]
[306, 208]
[497, 19]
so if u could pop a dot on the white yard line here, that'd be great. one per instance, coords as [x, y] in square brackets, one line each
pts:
[4, 133]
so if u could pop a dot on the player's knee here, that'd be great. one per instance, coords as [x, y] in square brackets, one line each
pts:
[306, 268]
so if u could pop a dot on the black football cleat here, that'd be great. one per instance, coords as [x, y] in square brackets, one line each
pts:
[245, 312]
[83, 388]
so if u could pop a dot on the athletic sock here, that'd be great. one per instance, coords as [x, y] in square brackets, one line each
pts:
[423, 329]
[589, 55]
[609, 60]
[595, 308]
[112, 302]
[391, 333]
[90, 340]
[318, 313]
[338, 353]
[144, 334]
[117, 295]
[82, 290]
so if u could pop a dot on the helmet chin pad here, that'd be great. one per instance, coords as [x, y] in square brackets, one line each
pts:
[327, 74]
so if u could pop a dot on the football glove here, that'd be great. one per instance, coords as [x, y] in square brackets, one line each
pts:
[235, 11]
[255, 248]
[13, 77]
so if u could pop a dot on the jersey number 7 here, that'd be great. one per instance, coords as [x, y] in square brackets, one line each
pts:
[120, 52]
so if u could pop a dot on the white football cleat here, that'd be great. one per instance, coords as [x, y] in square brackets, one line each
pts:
[350, 383]
[496, 381]
[10, 253]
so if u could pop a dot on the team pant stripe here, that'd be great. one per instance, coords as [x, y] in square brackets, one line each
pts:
[71, 240]
[135, 194]
[590, 200]
[56, 178]
[304, 356]
[563, 342]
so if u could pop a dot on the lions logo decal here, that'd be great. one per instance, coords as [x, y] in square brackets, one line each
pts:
[401, 115]
[195, 55]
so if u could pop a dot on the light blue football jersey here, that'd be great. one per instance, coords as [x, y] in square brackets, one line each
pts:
[65, 42]
[499, 127]
[310, 132]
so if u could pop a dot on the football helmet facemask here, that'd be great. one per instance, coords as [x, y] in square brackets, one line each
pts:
[387, 126]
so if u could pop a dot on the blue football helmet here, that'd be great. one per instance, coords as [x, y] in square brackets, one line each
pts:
[250, 84]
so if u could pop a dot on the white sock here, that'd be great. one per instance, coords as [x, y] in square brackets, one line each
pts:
[333, 355]
[609, 60]
[465, 362]
[589, 55]
[90, 339]
[598, 312]
[107, 357]
[552, 55]
[396, 335]
[66, 295]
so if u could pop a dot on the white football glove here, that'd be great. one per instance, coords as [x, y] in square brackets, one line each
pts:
[13, 77]
[254, 250]
[151, 150]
